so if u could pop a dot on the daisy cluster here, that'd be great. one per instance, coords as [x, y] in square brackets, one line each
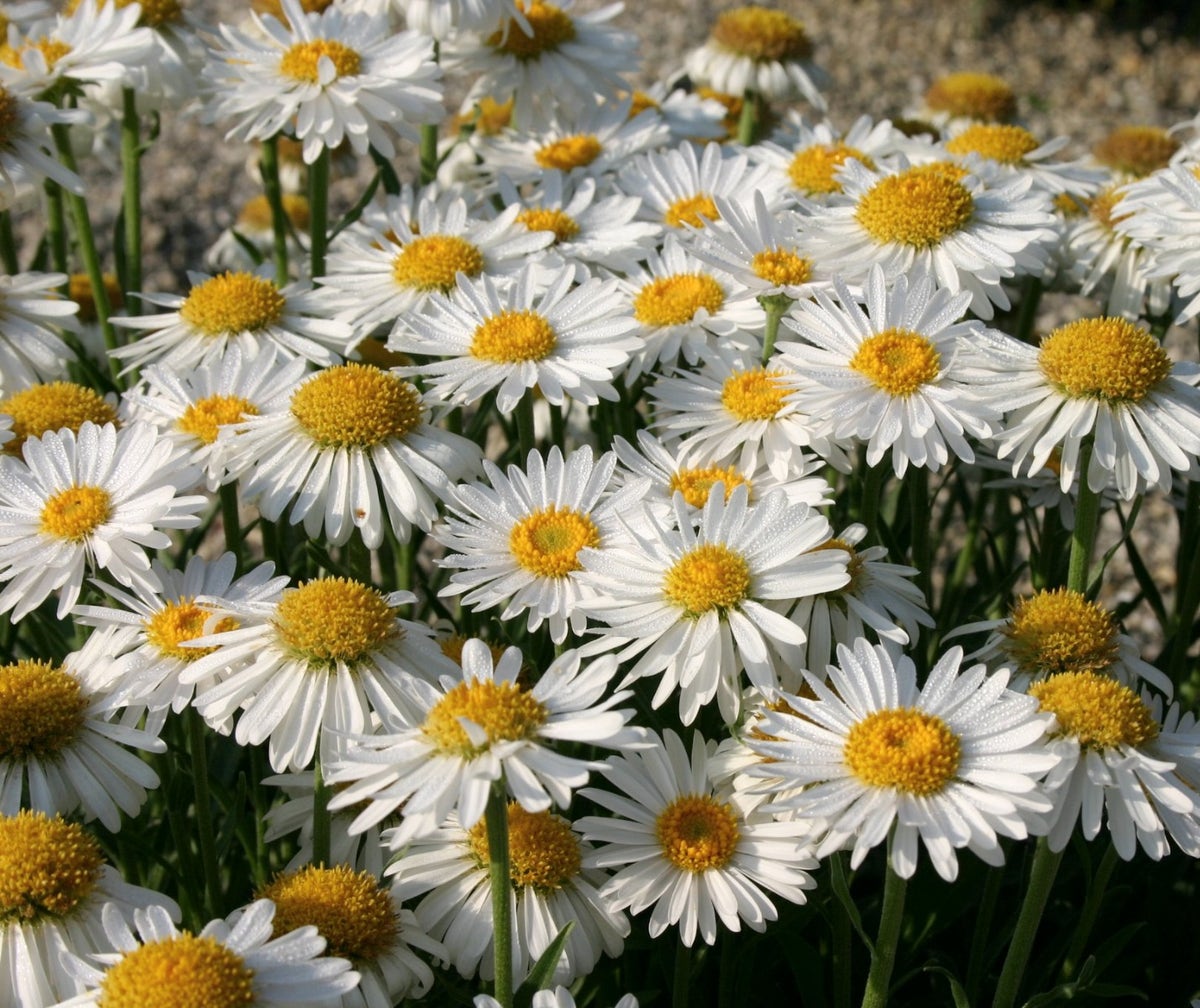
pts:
[548, 539]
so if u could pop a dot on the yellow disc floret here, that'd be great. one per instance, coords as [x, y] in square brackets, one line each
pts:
[696, 210]
[233, 303]
[1102, 208]
[433, 262]
[972, 96]
[1096, 709]
[761, 34]
[1109, 358]
[185, 971]
[51, 407]
[781, 266]
[513, 337]
[813, 170]
[552, 28]
[897, 361]
[575, 151]
[674, 300]
[1136, 150]
[697, 833]
[1060, 630]
[357, 406]
[905, 749]
[710, 576]
[697, 484]
[302, 61]
[503, 710]
[562, 225]
[41, 710]
[547, 542]
[919, 207]
[544, 851]
[181, 621]
[334, 620]
[75, 513]
[79, 290]
[995, 141]
[255, 214]
[757, 394]
[47, 867]
[204, 418]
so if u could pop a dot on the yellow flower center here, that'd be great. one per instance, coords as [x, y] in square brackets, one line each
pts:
[353, 913]
[487, 117]
[186, 971]
[52, 51]
[1103, 358]
[696, 210]
[1072, 206]
[47, 867]
[504, 711]
[576, 151]
[301, 61]
[79, 290]
[233, 303]
[1136, 150]
[995, 141]
[761, 34]
[433, 262]
[919, 207]
[181, 621]
[710, 576]
[548, 219]
[334, 620]
[639, 101]
[547, 542]
[674, 300]
[1060, 631]
[813, 170]
[544, 851]
[897, 361]
[52, 407]
[75, 513]
[854, 564]
[1102, 208]
[697, 484]
[697, 832]
[552, 28]
[256, 213]
[41, 710]
[781, 266]
[1099, 711]
[972, 96]
[203, 418]
[155, 13]
[903, 748]
[356, 406]
[754, 395]
[512, 337]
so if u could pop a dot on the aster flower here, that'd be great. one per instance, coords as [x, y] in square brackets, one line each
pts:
[687, 115]
[475, 728]
[25, 145]
[954, 764]
[1015, 150]
[448, 870]
[32, 313]
[1134, 150]
[559, 997]
[444, 18]
[40, 408]
[684, 849]
[958, 99]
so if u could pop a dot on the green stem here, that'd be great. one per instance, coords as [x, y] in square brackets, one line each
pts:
[131, 206]
[269, 167]
[1041, 880]
[318, 210]
[525, 436]
[874, 478]
[1187, 600]
[1091, 910]
[321, 817]
[982, 934]
[231, 521]
[1083, 536]
[500, 873]
[776, 306]
[750, 120]
[428, 152]
[919, 507]
[883, 957]
[681, 983]
[56, 228]
[206, 835]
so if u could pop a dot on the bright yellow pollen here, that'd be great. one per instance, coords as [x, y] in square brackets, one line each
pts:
[233, 303]
[301, 61]
[897, 361]
[352, 912]
[972, 96]
[552, 28]
[674, 300]
[1136, 150]
[710, 576]
[761, 34]
[1060, 631]
[79, 290]
[754, 395]
[905, 749]
[255, 214]
[155, 13]
[547, 542]
[1102, 208]
[504, 711]
[813, 170]
[356, 406]
[575, 151]
[854, 563]
[995, 141]
[181, 621]
[919, 207]
[333, 620]
[544, 851]
[41, 710]
[639, 101]
[52, 407]
[548, 219]
[75, 513]
[47, 867]
[203, 418]
[433, 262]
[513, 337]
[697, 832]
[1103, 358]
[186, 971]
[697, 484]
[781, 266]
[1099, 711]
[696, 210]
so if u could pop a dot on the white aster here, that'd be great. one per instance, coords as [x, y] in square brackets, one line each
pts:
[32, 314]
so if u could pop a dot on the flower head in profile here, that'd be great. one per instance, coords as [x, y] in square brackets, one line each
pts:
[32, 314]
[968, 96]
[25, 145]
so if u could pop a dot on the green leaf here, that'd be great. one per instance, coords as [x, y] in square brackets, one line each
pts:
[841, 889]
[957, 991]
[543, 970]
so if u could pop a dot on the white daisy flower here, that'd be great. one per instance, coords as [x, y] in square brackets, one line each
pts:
[26, 148]
[699, 603]
[449, 871]
[1103, 379]
[888, 370]
[255, 226]
[515, 541]
[56, 888]
[348, 448]
[476, 727]
[54, 406]
[1133, 150]
[959, 99]
[226, 963]
[687, 115]
[542, 331]
[328, 656]
[32, 314]
[97, 499]
[444, 18]
[1015, 150]
[684, 849]
[954, 764]
[327, 78]
[559, 997]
